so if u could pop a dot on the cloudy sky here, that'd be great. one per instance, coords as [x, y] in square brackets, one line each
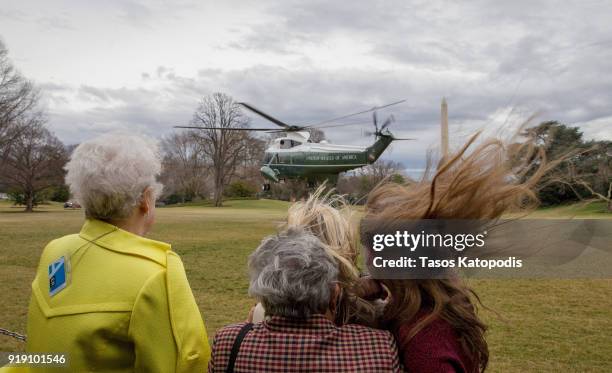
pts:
[143, 65]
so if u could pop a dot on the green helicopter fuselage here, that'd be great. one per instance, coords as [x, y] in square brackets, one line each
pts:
[290, 158]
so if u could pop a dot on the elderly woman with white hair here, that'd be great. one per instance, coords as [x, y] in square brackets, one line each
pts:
[111, 299]
[295, 277]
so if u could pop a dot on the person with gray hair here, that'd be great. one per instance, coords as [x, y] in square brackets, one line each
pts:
[295, 277]
[110, 298]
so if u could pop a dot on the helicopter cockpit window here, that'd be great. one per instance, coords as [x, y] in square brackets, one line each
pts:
[288, 144]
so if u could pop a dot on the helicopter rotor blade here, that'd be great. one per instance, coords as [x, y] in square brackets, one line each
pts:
[264, 115]
[375, 120]
[403, 139]
[340, 125]
[354, 114]
[227, 129]
[389, 120]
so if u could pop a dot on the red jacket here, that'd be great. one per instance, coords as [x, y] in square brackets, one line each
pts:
[434, 349]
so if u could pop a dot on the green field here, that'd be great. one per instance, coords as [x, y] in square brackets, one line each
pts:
[535, 325]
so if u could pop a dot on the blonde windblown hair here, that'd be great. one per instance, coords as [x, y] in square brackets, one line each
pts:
[329, 218]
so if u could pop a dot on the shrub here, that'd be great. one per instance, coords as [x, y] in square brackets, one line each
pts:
[240, 189]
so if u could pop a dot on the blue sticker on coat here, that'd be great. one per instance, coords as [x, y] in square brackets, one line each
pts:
[57, 276]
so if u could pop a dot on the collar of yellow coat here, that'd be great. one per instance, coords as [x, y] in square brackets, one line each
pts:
[116, 239]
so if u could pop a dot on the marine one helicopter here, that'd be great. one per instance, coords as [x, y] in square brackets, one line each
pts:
[295, 156]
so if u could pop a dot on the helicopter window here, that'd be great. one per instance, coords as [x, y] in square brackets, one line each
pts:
[288, 144]
[284, 144]
[267, 158]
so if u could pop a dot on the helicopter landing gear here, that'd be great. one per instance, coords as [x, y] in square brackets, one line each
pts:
[266, 187]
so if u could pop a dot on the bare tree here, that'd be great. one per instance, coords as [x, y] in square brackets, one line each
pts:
[250, 160]
[223, 147]
[588, 174]
[290, 190]
[18, 98]
[381, 170]
[359, 183]
[35, 161]
[316, 134]
[186, 165]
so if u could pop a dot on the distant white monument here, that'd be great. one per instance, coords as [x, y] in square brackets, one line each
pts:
[444, 129]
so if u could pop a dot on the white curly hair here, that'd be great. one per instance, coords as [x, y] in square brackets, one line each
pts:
[108, 174]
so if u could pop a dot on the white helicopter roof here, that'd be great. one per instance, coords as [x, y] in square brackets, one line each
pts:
[301, 136]
[298, 142]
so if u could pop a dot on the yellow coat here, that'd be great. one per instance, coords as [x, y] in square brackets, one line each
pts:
[126, 306]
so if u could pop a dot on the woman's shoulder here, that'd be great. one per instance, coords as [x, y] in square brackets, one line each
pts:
[434, 348]
[62, 242]
[225, 336]
[361, 331]
[57, 248]
[436, 329]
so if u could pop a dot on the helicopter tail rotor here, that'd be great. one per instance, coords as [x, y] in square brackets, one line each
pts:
[375, 121]
[378, 131]
[389, 120]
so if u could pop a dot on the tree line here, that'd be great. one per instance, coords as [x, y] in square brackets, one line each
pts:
[31, 157]
[585, 173]
[209, 164]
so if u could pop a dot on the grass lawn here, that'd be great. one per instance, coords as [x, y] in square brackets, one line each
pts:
[537, 326]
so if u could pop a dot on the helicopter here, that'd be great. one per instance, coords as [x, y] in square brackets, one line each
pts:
[295, 156]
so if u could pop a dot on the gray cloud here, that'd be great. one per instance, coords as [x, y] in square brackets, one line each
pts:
[13, 15]
[60, 22]
[495, 63]
[152, 13]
